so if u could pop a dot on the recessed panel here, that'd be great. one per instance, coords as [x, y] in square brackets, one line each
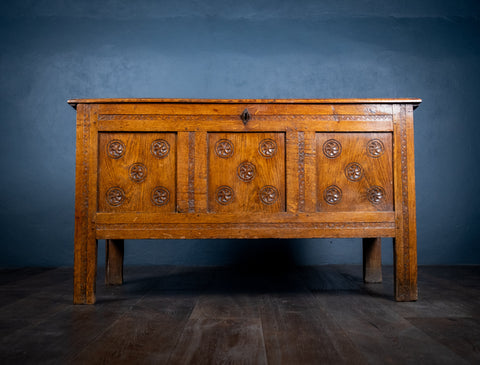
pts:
[246, 172]
[137, 172]
[354, 172]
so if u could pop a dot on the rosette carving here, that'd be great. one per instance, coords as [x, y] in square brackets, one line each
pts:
[115, 196]
[224, 148]
[354, 171]
[267, 148]
[268, 194]
[246, 171]
[375, 148]
[138, 172]
[115, 149]
[160, 196]
[332, 148]
[332, 194]
[376, 194]
[224, 195]
[160, 148]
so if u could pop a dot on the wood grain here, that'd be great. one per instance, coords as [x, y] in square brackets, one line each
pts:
[85, 258]
[372, 260]
[92, 243]
[81, 206]
[201, 172]
[405, 241]
[182, 173]
[114, 251]
[375, 172]
[310, 167]
[219, 341]
[117, 172]
[377, 330]
[204, 112]
[294, 179]
[414, 101]
[245, 217]
[247, 186]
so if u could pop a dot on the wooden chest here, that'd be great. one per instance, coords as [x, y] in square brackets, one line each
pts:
[184, 168]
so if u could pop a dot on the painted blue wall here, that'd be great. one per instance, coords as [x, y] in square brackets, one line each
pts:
[55, 50]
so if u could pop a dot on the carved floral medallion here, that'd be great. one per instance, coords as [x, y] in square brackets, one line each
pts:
[246, 171]
[115, 196]
[224, 148]
[354, 171]
[138, 172]
[267, 148]
[160, 148]
[376, 194]
[115, 149]
[332, 194]
[224, 195]
[375, 148]
[160, 196]
[268, 194]
[332, 148]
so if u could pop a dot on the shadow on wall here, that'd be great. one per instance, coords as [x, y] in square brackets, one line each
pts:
[265, 255]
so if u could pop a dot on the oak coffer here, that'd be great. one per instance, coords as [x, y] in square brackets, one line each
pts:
[194, 168]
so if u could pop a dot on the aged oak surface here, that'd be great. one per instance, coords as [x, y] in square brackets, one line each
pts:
[248, 315]
[251, 168]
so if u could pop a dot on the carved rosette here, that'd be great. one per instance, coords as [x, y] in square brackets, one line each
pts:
[160, 148]
[224, 148]
[332, 148]
[354, 171]
[224, 195]
[268, 194]
[115, 149]
[246, 171]
[138, 172]
[375, 148]
[160, 196]
[267, 148]
[115, 196]
[376, 194]
[332, 194]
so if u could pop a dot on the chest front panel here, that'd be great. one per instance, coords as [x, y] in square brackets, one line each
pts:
[137, 172]
[246, 172]
[354, 172]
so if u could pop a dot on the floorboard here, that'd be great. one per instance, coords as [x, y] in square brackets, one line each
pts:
[210, 315]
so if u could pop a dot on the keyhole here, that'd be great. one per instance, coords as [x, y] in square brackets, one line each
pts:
[246, 116]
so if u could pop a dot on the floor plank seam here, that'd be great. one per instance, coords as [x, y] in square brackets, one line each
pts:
[180, 335]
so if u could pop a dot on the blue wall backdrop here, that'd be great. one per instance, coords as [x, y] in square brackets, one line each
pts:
[53, 50]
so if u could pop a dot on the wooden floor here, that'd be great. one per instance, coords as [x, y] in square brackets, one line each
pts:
[179, 315]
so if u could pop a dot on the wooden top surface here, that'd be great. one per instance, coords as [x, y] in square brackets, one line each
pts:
[414, 101]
